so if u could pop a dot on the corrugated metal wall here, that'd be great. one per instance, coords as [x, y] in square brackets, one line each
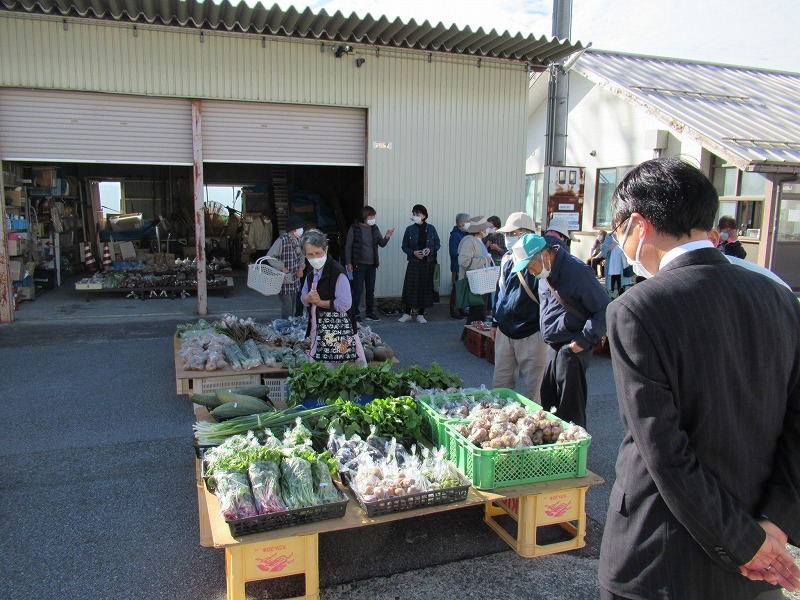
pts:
[457, 132]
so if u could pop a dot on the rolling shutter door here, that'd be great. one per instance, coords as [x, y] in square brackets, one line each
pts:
[55, 126]
[259, 133]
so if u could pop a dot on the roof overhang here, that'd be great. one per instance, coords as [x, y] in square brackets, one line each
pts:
[537, 53]
[734, 151]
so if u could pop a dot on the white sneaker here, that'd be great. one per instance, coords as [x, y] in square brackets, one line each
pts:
[404, 319]
[421, 319]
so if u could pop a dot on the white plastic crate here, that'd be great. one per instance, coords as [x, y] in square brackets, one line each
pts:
[277, 389]
[212, 384]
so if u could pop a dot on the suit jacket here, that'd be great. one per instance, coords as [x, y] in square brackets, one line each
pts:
[706, 358]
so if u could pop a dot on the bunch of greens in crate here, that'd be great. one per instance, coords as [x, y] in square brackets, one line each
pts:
[433, 378]
[315, 380]
[391, 417]
[254, 478]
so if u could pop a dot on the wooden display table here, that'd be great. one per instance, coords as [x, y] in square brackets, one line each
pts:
[294, 550]
[188, 382]
[154, 292]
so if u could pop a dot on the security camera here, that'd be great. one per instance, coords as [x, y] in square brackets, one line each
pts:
[340, 50]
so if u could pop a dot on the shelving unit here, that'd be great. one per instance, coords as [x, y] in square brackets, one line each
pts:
[18, 238]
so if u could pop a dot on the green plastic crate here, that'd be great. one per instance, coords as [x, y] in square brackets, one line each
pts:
[432, 423]
[489, 469]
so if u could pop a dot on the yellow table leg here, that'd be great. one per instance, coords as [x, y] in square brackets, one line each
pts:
[312, 567]
[234, 572]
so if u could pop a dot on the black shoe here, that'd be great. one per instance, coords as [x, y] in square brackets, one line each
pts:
[457, 317]
[371, 317]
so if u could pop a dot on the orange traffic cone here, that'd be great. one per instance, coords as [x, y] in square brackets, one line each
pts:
[91, 264]
[107, 262]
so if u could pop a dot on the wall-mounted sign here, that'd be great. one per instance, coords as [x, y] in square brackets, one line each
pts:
[382, 145]
[565, 194]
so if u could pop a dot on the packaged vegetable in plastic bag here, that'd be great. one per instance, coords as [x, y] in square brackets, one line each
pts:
[235, 498]
[323, 483]
[265, 480]
[297, 483]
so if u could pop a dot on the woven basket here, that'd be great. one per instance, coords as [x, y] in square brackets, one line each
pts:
[483, 281]
[263, 278]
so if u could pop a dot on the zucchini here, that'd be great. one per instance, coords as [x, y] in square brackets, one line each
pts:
[225, 396]
[256, 391]
[241, 408]
[207, 400]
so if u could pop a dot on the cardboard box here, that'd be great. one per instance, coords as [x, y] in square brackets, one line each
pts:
[44, 177]
[15, 247]
[14, 197]
[26, 293]
[16, 267]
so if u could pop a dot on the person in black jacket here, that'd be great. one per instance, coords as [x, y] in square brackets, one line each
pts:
[728, 243]
[361, 258]
[518, 345]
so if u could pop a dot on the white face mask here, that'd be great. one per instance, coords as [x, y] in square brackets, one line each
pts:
[511, 240]
[545, 272]
[491, 230]
[417, 219]
[638, 268]
[298, 232]
[318, 263]
[370, 222]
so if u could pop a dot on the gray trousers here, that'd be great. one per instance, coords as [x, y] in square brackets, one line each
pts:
[287, 305]
[513, 358]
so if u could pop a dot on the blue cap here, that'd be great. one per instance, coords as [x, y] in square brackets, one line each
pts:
[525, 249]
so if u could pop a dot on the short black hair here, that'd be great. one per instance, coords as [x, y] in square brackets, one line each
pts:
[670, 193]
[418, 208]
[494, 220]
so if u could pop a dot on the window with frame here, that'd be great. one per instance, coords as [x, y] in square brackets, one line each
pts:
[534, 196]
[607, 180]
[741, 196]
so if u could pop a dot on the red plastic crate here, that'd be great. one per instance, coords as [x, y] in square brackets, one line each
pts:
[474, 342]
[488, 349]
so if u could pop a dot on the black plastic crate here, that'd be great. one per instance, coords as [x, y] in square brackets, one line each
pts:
[289, 518]
[412, 501]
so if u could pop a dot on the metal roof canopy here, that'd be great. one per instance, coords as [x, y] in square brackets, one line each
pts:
[537, 52]
[748, 116]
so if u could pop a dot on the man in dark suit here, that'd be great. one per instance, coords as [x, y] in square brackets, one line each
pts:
[708, 474]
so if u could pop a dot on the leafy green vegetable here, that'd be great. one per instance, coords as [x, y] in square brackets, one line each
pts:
[432, 378]
[393, 417]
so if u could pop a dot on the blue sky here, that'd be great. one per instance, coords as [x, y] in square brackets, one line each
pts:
[740, 32]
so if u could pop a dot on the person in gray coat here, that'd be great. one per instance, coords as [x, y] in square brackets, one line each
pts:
[708, 474]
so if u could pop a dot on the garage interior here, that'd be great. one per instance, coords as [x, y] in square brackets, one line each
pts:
[160, 200]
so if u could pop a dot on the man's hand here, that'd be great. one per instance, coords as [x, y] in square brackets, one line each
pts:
[493, 333]
[574, 347]
[773, 563]
[300, 273]
[389, 233]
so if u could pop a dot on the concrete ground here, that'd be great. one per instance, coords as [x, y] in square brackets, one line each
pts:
[97, 483]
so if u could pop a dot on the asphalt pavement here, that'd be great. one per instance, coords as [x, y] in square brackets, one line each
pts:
[97, 483]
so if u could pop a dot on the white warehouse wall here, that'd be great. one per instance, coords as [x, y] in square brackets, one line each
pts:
[457, 131]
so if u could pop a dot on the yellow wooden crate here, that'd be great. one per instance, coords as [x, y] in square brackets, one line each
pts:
[565, 508]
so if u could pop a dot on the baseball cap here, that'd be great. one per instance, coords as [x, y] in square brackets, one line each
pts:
[528, 246]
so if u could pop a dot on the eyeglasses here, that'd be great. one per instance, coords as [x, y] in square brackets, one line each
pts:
[615, 232]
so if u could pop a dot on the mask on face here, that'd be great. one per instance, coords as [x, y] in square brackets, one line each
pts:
[370, 222]
[299, 232]
[417, 219]
[545, 272]
[318, 263]
[723, 237]
[491, 230]
[511, 240]
[638, 268]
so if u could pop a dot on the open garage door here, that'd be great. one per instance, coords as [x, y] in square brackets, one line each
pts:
[78, 127]
[261, 133]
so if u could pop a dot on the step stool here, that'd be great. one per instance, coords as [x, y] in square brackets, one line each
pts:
[566, 508]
